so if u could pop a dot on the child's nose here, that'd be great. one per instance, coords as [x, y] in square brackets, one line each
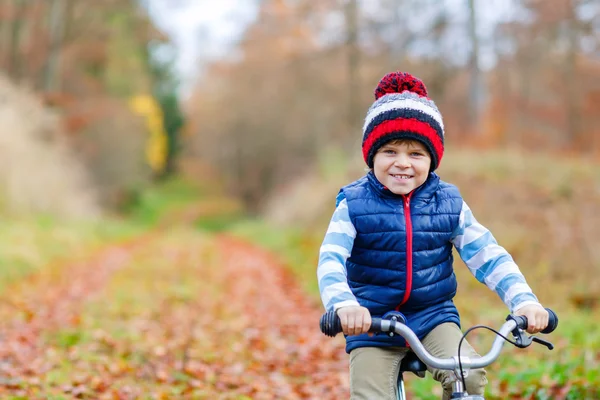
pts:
[402, 161]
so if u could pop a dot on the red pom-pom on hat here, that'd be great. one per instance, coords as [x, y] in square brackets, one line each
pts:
[398, 82]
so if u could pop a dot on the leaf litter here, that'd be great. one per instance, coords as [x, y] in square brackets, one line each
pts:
[175, 314]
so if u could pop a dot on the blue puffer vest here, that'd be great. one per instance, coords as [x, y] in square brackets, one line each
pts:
[402, 254]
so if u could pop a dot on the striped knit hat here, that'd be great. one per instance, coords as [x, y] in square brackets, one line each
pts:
[402, 110]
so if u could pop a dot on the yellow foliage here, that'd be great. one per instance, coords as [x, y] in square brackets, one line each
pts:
[157, 146]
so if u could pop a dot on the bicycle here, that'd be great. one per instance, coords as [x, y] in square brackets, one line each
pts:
[417, 360]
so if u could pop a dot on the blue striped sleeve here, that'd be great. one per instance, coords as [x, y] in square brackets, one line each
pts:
[490, 263]
[335, 250]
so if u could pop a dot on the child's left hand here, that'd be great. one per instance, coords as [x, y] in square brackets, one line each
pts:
[537, 317]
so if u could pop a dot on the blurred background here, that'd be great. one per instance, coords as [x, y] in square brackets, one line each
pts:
[123, 117]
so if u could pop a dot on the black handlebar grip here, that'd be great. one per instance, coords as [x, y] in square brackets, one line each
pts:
[552, 321]
[330, 323]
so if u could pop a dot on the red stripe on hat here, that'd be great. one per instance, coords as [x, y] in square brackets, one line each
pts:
[404, 124]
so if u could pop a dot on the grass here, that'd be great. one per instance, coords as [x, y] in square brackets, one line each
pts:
[163, 198]
[40, 245]
[180, 200]
[28, 244]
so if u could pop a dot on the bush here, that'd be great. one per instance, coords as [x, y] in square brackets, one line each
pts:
[38, 171]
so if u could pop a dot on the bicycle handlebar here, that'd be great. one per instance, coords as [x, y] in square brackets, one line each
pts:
[331, 326]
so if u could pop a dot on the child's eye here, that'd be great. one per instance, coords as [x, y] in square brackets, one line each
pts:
[389, 151]
[416, 154]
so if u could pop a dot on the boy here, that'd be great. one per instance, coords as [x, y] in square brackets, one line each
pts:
[389, 247]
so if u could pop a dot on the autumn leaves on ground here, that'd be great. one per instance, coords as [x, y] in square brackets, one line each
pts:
[171, 314]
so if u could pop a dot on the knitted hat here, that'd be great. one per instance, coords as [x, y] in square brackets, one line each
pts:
[402, 110]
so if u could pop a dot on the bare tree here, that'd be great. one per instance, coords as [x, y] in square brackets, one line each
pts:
[57, 22]
[572, 103]
[351, 12]
[18, 8]
[476, 88]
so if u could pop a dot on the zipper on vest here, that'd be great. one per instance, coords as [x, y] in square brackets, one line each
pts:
[409, 251]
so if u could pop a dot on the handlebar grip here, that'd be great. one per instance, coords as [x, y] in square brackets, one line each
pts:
[552, 321]
[330, 323]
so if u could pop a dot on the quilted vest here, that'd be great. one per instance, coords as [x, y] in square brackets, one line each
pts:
[402, 255]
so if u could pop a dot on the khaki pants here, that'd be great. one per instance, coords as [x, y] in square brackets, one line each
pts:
[374, 370]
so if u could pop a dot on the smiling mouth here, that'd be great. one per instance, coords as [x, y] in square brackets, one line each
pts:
[401, 176]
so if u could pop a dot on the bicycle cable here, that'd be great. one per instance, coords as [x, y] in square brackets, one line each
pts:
[462, 376]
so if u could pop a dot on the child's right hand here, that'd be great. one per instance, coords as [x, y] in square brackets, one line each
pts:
[355, 320]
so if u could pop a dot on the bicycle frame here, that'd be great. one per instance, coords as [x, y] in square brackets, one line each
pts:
[401, 392]
[457, 389]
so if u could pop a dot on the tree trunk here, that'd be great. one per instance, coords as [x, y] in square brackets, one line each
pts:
[354, 112]
[14, 52]
[572, 102]
[56, 25]
[5, 32]
[476, 90]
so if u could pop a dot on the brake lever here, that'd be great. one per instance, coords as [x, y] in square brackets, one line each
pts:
[522, 340]
[544, 342]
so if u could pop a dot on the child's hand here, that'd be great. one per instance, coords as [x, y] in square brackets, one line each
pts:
[537, 317]
[355, 320]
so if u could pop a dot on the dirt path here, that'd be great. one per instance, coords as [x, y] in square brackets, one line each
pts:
[291, 359]
[170, 315]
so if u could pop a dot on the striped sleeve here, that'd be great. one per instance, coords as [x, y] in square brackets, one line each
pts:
[335, 250]
[490, 263]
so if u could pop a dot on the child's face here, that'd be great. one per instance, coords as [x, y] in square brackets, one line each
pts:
[402, 166]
